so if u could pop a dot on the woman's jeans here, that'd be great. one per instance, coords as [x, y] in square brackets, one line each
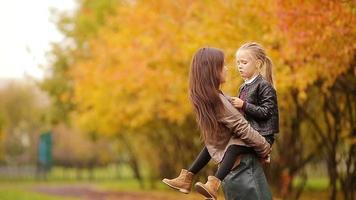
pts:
[247, 181]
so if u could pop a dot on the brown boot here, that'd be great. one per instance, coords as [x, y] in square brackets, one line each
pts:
[182, 183]
[210, 188]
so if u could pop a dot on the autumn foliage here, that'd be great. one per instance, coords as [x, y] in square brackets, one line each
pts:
[125, 72]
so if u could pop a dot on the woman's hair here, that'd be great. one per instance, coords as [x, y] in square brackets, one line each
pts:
[259, 53]
[204, 82]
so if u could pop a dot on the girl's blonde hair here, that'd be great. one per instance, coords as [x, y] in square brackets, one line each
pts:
[259, 53]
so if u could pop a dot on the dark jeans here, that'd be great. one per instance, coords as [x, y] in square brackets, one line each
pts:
[247, 181]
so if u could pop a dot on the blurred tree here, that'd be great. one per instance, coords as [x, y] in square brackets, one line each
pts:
[22, 107]
[319, 55]
[78, 29]
[80, 151]
[2, 135]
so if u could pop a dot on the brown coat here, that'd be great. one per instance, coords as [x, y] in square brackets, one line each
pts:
[235, 130]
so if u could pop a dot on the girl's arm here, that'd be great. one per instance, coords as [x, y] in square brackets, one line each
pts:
[234, 121]
[268, 103]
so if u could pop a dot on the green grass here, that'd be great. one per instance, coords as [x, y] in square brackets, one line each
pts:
[314, 184]
[19, 192]
[109, 172]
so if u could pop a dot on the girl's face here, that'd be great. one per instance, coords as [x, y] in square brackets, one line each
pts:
[246, 64]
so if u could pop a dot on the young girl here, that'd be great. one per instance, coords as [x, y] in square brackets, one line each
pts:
[225, 137]
[257, 98]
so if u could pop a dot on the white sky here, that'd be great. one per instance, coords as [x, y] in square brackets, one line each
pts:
[26, 31]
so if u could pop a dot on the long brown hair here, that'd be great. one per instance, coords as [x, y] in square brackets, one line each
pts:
[204, 82]
[259, 53]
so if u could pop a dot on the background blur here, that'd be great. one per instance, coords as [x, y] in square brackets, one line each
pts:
[94, 101]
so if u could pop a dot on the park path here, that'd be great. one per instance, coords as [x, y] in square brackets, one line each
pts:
[87, 192]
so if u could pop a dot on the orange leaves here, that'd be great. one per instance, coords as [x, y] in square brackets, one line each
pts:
[319, 39]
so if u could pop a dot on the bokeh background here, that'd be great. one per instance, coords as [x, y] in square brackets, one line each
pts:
[94, 101]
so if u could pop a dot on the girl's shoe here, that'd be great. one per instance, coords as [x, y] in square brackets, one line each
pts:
[183, 183]
[210, 188]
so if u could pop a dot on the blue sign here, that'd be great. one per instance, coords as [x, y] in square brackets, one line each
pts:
[45, 150]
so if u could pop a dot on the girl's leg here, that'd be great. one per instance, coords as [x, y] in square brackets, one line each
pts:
[202, 160]
[229, 159]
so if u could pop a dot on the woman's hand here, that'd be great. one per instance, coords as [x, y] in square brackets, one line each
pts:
[267, 159]
[237, 102]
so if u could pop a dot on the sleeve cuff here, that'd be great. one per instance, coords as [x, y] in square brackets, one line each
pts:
[244, 104]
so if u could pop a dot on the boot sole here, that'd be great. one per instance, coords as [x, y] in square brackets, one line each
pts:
[199, 187]
[182, 190]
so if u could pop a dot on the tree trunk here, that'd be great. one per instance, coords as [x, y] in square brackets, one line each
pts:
[333, 175]
[133, 162]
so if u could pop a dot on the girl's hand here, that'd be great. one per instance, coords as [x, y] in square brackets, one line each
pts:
[237, 102]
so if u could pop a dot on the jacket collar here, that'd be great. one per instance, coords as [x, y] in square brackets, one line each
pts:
[253, 80]
[257, 78]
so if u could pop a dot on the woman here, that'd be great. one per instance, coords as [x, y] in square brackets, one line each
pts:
[222, 126]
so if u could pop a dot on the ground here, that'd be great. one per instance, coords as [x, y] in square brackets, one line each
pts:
[88, 192]
[102, 190]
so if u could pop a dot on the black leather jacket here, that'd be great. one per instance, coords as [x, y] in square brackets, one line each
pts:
[261, 107]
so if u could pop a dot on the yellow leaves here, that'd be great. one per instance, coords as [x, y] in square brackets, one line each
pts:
[136, 70]
[64, 97]
[302, 96]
